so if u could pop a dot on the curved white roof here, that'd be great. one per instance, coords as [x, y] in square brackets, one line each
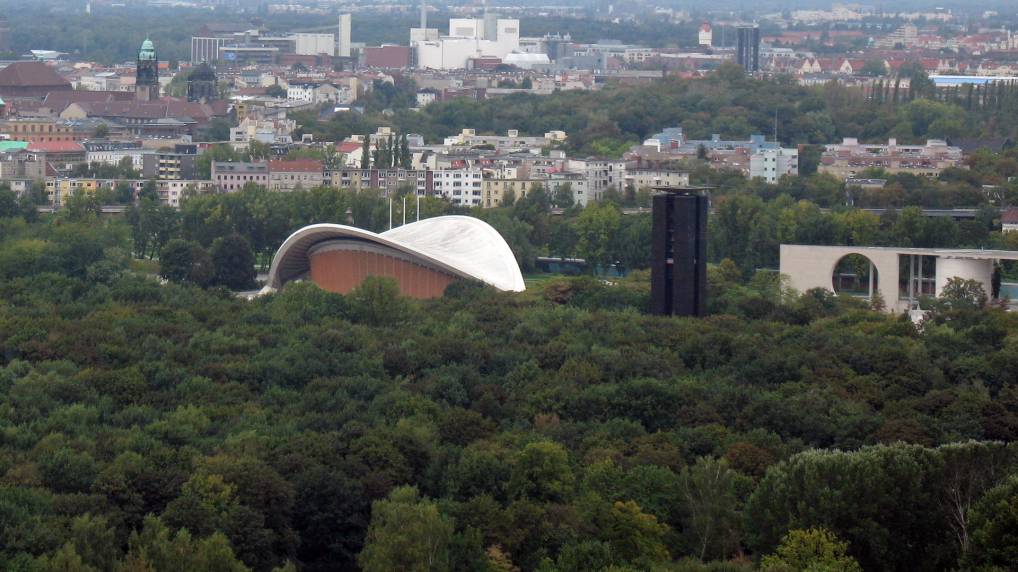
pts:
[461, 245]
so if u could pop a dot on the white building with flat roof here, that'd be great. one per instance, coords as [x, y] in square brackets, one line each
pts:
[468, 38]
[901, 276]
[772, 164]
[462, 187]
[314, 44]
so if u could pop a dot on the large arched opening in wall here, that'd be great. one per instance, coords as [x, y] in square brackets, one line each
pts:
[855, 275]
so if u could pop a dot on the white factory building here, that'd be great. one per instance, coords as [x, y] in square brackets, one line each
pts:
[468, 38]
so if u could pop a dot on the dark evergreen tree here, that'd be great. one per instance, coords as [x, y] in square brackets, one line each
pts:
[366, 152]
[234, 262]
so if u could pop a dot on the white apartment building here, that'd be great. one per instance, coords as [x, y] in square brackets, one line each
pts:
[263, 131]
[426, 98]
[772, 164]
[316, 93]
[115, 156]
[577, 184]
[462, 187]
[644, 178]
[602, 175]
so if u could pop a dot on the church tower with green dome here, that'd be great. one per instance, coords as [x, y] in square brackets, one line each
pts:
[146, 82]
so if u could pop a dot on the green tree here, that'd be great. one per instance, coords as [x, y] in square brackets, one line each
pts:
[563, 197]
[635, 536]
[123, 193]
[542, 472]
[8, 202]
[186, 261]
[878, 499]
[234, 262]
[407, 532]
[405, 159]
[712, 507]
[873, 68]
[218, 130]
[175, 260]
[597, 228]
[994, 529]
[810, 550]
[377, 301]
[366, 152]
[156, 548]
[962, 294]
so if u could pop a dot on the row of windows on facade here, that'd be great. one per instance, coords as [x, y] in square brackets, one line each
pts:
[242, 177]
[48, 129]
[47, 139]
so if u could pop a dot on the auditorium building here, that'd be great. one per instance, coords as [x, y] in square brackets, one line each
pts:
[423, 257]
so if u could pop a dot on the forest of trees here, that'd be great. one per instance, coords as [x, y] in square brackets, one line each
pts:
[162, 427]
[153, 421]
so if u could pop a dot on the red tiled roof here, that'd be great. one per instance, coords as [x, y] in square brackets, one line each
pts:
[348, 146]
[200, 112]
[297, 166]
[1010, 216]
[59, 100]
[55, 147]
[31, 74]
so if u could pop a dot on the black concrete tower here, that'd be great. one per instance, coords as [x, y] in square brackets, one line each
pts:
[678, 275]
[747, 48]
[146, 79]
[202, 85]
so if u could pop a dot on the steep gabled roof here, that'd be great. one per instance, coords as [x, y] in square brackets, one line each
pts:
[31, 74]
[59, 100]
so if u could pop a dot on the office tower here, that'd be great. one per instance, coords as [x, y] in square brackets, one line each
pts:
[343, 39]
[678, 275]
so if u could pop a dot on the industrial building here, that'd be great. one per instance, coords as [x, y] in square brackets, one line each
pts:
[468, 38]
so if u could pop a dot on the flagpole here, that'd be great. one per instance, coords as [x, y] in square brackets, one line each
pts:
[390, 213]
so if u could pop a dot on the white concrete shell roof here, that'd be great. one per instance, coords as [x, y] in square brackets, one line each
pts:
[463, 246]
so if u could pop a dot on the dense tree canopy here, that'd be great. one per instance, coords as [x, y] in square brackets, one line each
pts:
[151, 426]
